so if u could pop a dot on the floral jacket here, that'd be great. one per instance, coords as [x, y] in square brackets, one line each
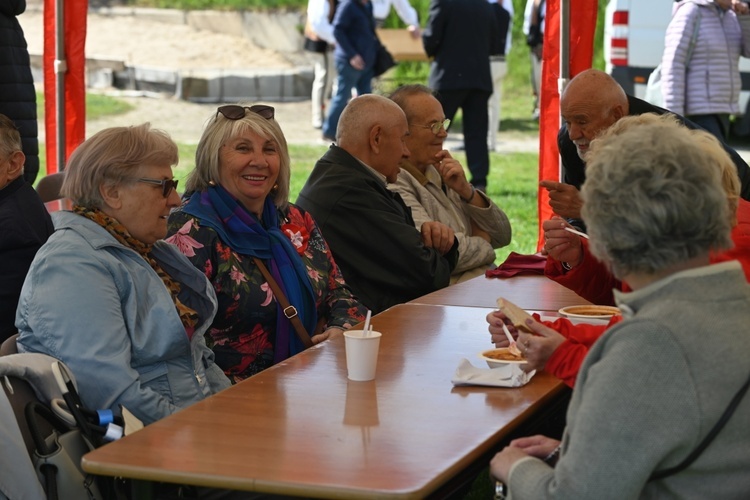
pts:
[242, 334]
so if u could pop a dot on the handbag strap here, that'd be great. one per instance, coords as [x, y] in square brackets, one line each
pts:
[289, 310]
[733, 404]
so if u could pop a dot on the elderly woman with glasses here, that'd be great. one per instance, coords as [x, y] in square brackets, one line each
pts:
[659, 408]
[433, 184]
[278, 287]
[124, 310]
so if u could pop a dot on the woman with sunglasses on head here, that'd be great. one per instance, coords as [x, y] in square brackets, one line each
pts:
[124, 310]
[278, 287]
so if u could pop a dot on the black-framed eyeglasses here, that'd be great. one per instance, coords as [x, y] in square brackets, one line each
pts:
[436, 127]
[167, 185]
[237, 112]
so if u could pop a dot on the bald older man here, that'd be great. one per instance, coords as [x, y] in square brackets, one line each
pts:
[370, 231]
[591, 102]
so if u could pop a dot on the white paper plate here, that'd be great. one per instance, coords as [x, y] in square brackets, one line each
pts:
[493, 363]
[589, 312]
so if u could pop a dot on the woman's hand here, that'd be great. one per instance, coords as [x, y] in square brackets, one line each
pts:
[497, 335]
[330, 333]
[536, 446]
[560, 244]
[539, 346]
[502, 462]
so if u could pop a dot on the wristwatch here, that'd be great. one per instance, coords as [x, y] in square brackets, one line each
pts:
[501, 491]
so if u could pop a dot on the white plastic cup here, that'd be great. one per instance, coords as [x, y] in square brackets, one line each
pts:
[361, 354]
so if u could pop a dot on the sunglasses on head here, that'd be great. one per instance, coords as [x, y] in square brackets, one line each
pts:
[167, 185]
[237, 112]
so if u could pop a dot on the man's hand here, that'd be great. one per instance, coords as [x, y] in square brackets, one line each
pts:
[560, 244]
[452, 173]
[454, 177]
[414, 31]
[438, 236]
[357, 62]
[537, 348]
[564, 199]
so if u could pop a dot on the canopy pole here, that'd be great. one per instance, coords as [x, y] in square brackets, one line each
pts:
[61, 67]
[564, 77]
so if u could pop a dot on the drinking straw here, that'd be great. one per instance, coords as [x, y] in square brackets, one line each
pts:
[367, 323]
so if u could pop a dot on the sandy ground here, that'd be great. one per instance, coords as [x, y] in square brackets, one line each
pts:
[143, 42]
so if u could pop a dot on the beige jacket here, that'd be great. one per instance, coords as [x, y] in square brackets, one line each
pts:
[428, 202]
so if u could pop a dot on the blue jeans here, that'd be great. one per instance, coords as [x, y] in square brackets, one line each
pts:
[347, 79]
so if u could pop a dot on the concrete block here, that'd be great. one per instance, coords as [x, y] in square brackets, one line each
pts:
[229, 23]
[278, 30]
[246, 85]
[170, 16]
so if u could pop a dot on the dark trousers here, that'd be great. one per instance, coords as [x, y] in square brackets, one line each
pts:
[717, 124]
[473, 104]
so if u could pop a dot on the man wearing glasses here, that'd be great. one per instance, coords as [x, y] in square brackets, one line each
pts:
[383, 257]
[433, 184]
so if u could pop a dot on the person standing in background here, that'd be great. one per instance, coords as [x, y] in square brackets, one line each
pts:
[459, 36]
[503, 10]
[705, 87]
[353, 28]
[319, 42]
[407, 13]
[17, 94]
[533, 28]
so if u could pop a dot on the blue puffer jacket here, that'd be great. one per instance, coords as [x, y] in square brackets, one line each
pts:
[710, 82]
[17, 94]
[99, 307]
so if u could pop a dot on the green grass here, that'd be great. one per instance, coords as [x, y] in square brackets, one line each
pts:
[97, 106]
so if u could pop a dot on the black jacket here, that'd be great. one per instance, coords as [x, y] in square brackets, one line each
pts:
[25, 226]
[460, 35]
[371, 234]
[17, 94]
[574, 170]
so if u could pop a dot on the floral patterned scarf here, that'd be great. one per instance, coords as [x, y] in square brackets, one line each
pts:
[188, 316]
[238, 228]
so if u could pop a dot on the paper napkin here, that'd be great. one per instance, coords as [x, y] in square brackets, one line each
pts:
[509, 375]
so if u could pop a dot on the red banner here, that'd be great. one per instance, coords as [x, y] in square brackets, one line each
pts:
[582, 24]
[74, 36]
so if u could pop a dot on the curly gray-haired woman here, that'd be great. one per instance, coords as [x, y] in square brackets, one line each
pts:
[653, 386]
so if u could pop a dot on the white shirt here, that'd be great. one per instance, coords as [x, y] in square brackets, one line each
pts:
[317, 13]
[407, 13]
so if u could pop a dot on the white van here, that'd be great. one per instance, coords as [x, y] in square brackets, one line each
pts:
[634, 42]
